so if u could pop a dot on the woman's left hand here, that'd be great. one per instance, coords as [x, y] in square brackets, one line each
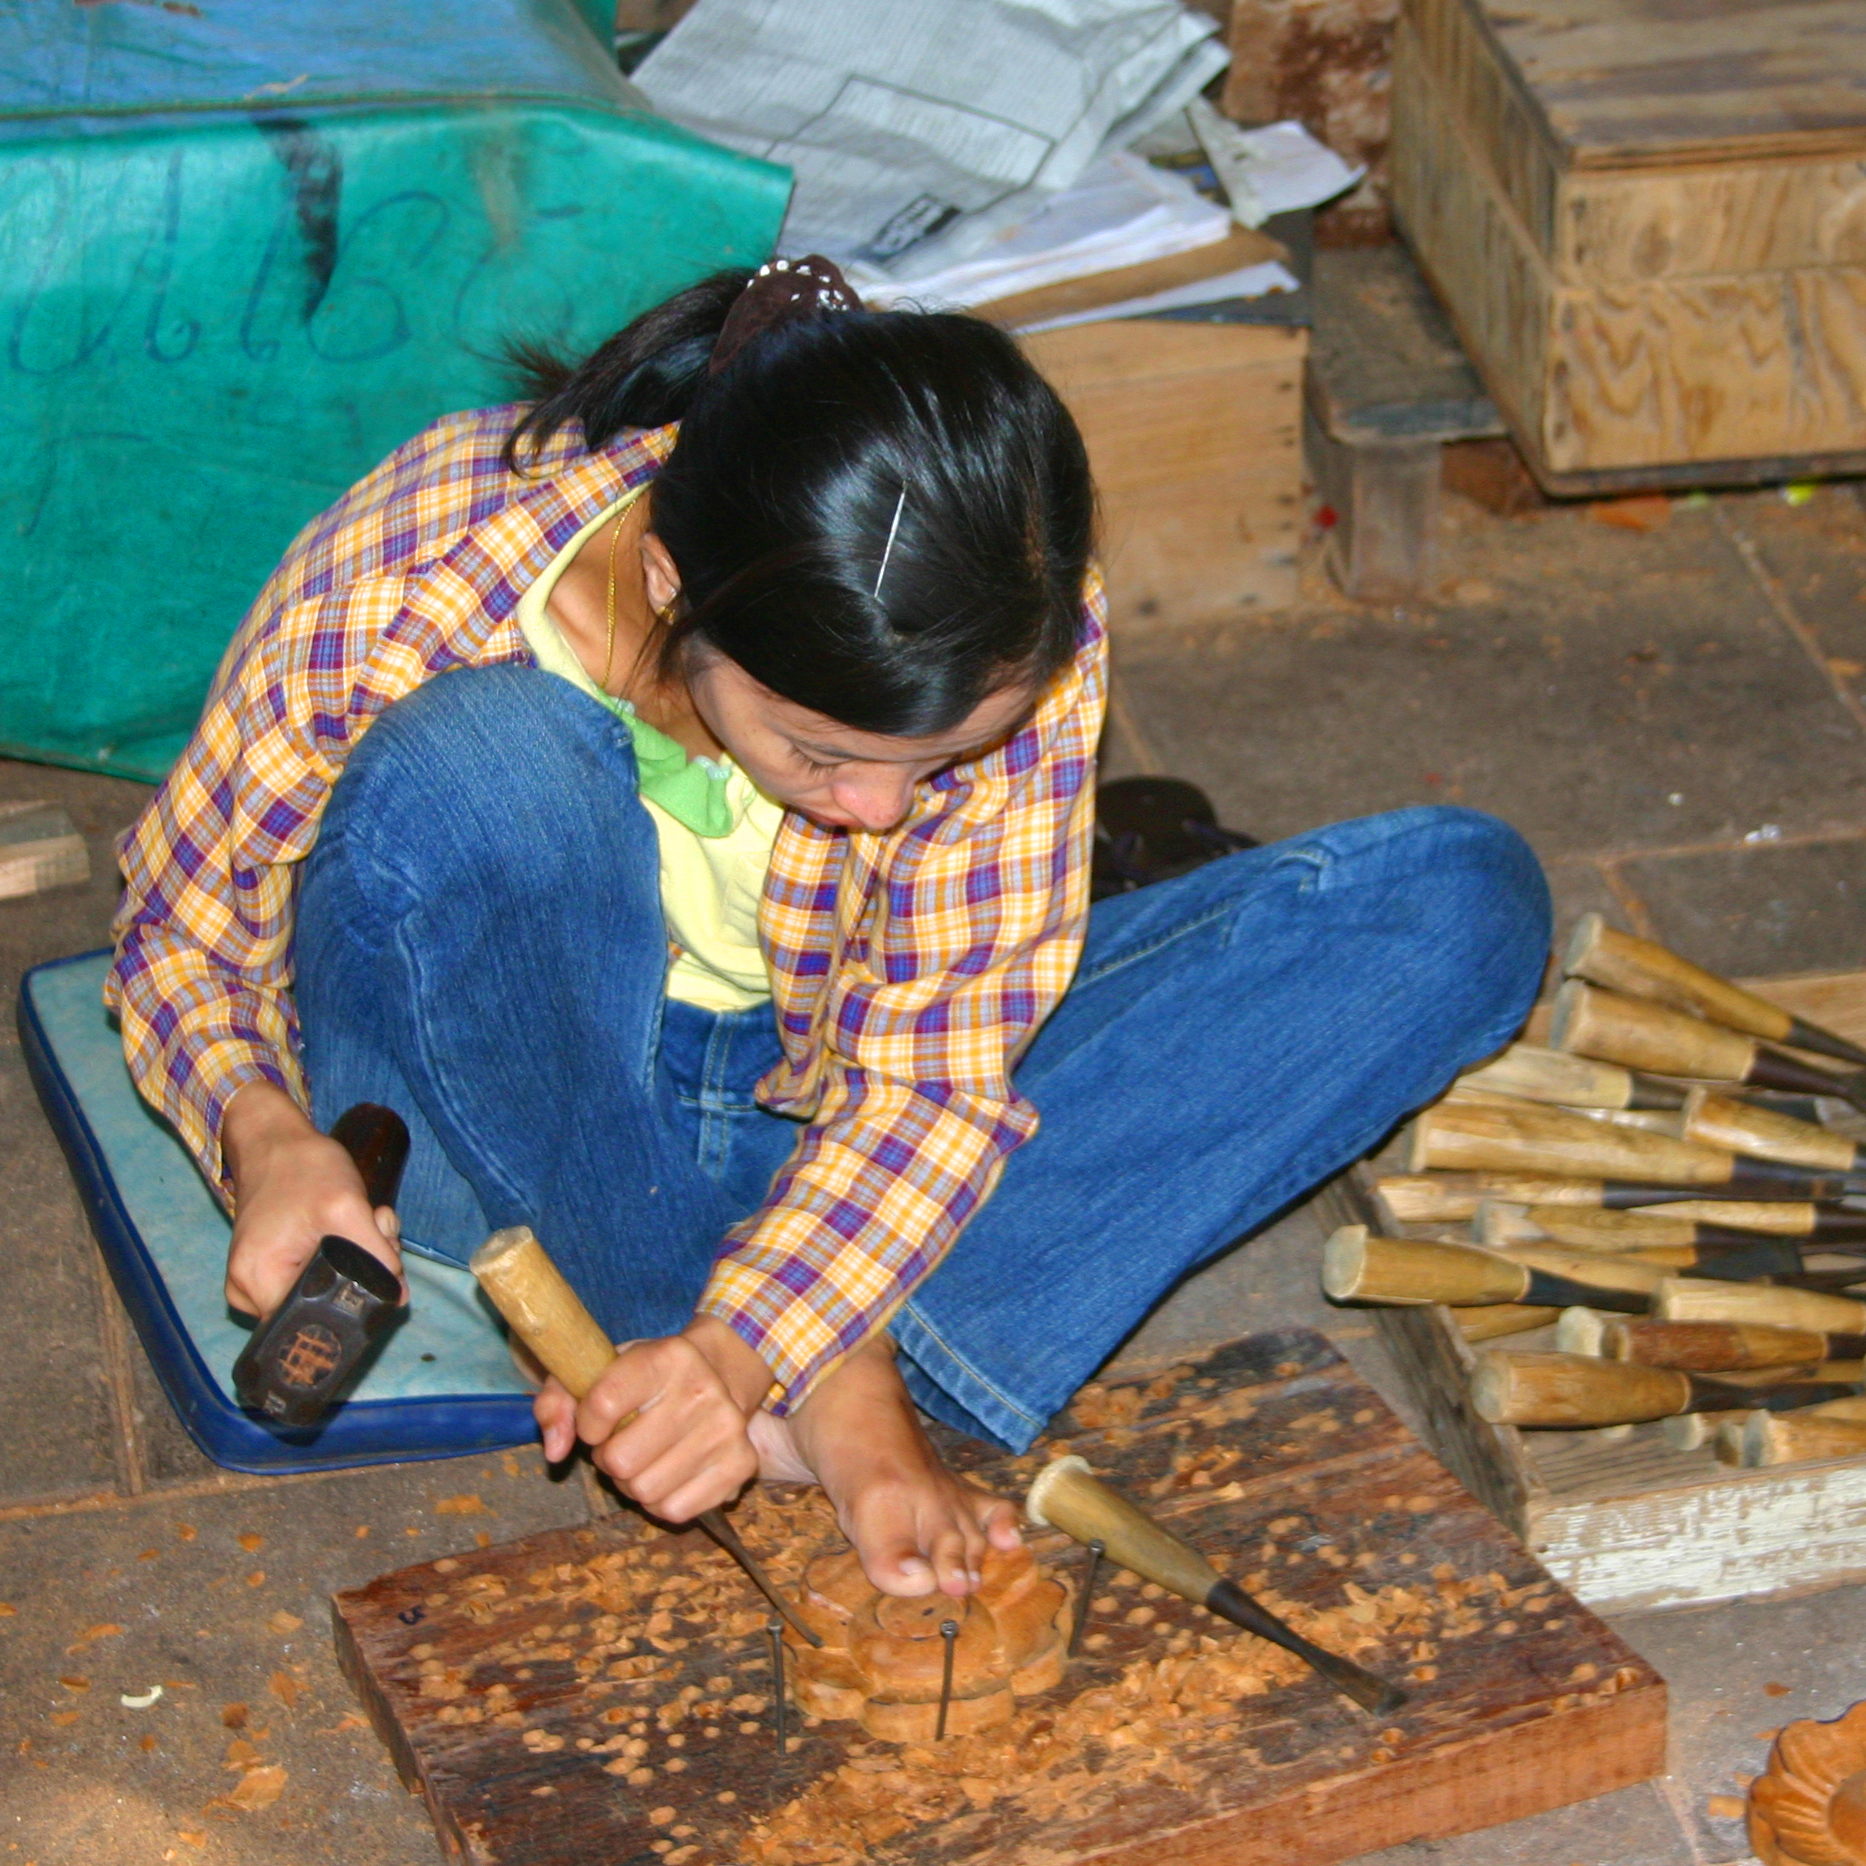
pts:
[667, 1419]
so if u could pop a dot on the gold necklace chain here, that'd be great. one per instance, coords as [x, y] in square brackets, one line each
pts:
[609, 633]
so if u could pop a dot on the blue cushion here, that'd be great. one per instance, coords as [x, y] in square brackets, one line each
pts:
[442, 1385]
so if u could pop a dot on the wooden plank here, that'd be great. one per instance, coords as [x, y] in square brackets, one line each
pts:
[1712, 219]
[1193, 431]
[1471, 245]
[1385, 364]
[40, 848]
[1625, 82]
[1475, 84]
[1241, 247]
[603, 1694]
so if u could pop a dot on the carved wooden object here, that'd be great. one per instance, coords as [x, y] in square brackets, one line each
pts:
[1809, 1807]
[882, 1658]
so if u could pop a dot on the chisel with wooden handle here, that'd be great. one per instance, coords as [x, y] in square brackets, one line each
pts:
[1358, 1266]
[1446, 1197]
[1497, 1226]
[1641, 968]
[1642, 1035]
[1653, 1120]
[1067, 1495]
[548, 1316]
[1720, 1120]
[1571, 1392]
[1723, 1347]
[1470, 1136]
[1696, 1299]
[1531, 1072]
[1834, 1429]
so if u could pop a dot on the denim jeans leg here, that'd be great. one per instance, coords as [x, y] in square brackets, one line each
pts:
[1232, 1038]
[480, 943]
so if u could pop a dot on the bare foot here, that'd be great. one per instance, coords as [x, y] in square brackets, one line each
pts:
[917, 1527]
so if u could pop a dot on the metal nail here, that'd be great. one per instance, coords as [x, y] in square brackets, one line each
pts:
[1096, 1551]
[774, 1632]
[948, 1631]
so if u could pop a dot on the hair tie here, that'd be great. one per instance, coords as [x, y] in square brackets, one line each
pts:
[779, 293]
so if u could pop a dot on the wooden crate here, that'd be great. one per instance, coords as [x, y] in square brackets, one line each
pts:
[1195, 435]
[1621, 1519]
[1648, 218]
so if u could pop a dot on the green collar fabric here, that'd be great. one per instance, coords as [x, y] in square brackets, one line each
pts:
[691, 790]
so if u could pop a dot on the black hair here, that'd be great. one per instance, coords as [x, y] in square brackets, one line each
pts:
[824, 437]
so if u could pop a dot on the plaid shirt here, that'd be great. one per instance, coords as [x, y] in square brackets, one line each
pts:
[908, 969]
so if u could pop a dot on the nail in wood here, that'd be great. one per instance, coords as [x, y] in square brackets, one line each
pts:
[774, 1631]
[1096, 1551]
[948, 1631]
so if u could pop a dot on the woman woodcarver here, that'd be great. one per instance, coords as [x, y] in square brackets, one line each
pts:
[674, 795]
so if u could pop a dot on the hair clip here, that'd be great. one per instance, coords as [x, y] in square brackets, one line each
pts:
[893, 530]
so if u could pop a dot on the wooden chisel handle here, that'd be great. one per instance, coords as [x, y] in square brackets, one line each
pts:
[1720, 1120]
[529, 1290]
[1641, 968]
[1724, 1347]
[1571, 1392]
[1638, 1034]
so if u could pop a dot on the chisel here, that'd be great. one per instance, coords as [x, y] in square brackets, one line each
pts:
[1723, 1347]
[1571, 1392]
[1696, 1299]
[1498, 1226]
[529, 1290]
[1834, 1429]
[1441, 1197]
[1469, 1136]
[1720, 1120]
[1358, 1266]
[1641, 968]
[1067, 1495]
[1641, 1035]
[1532, 1073]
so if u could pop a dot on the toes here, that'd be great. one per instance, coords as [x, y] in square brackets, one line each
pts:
[998, 1519]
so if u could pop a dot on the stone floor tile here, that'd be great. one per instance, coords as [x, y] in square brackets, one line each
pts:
[1635, 1827]
[223, 1600]
[1763, 908]
[1817, 554]
[1737, 1674]
[55, 1392]
[1650, 699]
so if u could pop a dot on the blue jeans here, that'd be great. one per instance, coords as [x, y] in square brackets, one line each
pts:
[480, 945]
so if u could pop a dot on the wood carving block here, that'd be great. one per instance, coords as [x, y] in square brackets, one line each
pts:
[605, 1693]
[883, 1660]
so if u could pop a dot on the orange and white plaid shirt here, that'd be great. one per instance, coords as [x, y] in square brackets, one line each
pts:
[908, 970]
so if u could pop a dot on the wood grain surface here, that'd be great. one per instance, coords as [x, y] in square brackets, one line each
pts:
[604, 1694]
[1194, 435]
[1616, 198]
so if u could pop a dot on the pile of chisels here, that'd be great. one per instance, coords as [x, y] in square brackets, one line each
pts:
[1663, 1184]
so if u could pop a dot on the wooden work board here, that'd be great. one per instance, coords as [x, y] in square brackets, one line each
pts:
[604, 1694]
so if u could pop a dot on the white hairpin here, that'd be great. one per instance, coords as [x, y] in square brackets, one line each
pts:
[888, 548]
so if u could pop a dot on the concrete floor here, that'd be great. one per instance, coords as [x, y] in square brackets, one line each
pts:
[1675, 718]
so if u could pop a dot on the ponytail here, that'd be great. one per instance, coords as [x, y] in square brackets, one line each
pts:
[643, 377]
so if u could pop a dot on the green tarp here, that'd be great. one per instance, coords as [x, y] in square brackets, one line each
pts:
[247, 247]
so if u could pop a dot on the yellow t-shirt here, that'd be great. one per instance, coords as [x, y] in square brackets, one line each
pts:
[715, 836]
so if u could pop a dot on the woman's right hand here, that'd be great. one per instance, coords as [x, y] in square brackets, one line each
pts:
[291, 1187]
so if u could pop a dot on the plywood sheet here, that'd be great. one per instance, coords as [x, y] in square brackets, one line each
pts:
[604, 1694]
